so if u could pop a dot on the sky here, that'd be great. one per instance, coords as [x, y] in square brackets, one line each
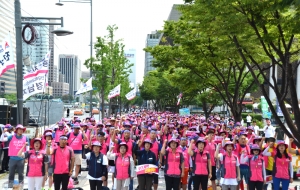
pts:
[134, 18]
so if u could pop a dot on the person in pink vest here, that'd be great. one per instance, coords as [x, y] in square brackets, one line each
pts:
[75, 140]
[87, 128]
[59, 131]
[257, 168]
[211, 148]
[282, 166]
[37, 166]
[48, 137]
[174, 164]
[230, 170]
[8, 130]
[97, 172]
[202, 169]
[184, 149]
[124, 171]
[16, 142]
[63, 162]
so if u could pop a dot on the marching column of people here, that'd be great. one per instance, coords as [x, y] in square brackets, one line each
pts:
[191, 150]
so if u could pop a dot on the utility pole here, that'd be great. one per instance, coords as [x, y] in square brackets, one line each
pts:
[18, 28]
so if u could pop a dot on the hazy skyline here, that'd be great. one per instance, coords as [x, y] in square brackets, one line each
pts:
[134, 18]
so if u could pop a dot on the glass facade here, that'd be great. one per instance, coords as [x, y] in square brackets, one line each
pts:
[152, 40]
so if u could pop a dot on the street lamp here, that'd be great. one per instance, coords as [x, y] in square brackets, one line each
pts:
[18, 28]
[60, 3]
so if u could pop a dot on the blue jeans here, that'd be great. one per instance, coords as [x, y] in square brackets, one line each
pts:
[131, 184]
[284, 183]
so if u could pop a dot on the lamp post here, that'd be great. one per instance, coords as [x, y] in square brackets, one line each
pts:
[18, 27]
[60, 3]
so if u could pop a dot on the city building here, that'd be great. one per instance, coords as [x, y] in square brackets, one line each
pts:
[131, 56]
[35, 52]
[60, 89]
[152, 40]
[70, 66]
[49, 90]
[7, 25]
[61, 77]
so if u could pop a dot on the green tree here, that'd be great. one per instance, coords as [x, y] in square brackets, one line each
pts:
[110, 67]
[200, 61]
[265, 35]
[12, 98]
[67, 98]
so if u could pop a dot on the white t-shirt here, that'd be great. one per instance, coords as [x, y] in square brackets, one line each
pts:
[249, 119]
[269, 131]
[230, 181]
[256, 128]
[104, 162]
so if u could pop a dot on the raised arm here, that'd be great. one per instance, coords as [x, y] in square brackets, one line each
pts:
[190, 151]
[163, 148]
[292, 151]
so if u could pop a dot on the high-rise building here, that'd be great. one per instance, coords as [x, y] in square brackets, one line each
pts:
[152, 40]
[60, 89]
[131, 56]
[36, 51]
[7, 25]
[70, 66]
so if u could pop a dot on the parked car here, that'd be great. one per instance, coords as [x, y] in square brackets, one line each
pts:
[95, 111]
[78, 112]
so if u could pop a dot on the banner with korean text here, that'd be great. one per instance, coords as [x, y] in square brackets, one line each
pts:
[146, 169]
[131, 95]
[6, 55]
[85, 87]
[36, 79]
[115, 92]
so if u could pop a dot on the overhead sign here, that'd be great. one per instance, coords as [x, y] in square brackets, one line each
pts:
[131, 95]
[6, 55]
[115, 92]
[85, 87]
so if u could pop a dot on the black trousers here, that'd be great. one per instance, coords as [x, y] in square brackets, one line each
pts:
[172, 182]
[145, 181]
[95, 184]
[61, 179]
[5, 160]
[256, 185]
[200, 179]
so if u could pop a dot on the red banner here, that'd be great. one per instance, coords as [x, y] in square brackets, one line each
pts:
[146, 169]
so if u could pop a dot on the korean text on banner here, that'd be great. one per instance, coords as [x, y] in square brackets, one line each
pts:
[85, 87]
[146, 169]
[131, 95]
[6, 55]
[115, 92]
[41, 68]
[34, 85]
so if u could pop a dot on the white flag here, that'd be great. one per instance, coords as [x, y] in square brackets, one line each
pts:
[6, 55]
[131, 95]
[115, 92]
[85, 87]
[36, 79]
[34, 85]
[41, 68]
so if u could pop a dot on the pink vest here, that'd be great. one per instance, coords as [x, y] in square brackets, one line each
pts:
[36, 167]
[75, 142]
[239, 150]
[281, 167]
[87, 133]
[185, 155]
[173, 165]
[103, 148]
[256, 169]
[229, 166]
[154, 149]
[15, 145]
[61, 160]
[58, 133]
[122, 166]
[201, 163]
[211, 149]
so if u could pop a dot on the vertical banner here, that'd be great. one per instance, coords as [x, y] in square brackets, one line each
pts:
[6, 55]
[278, 109]
[265, 107]
[179, 98]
